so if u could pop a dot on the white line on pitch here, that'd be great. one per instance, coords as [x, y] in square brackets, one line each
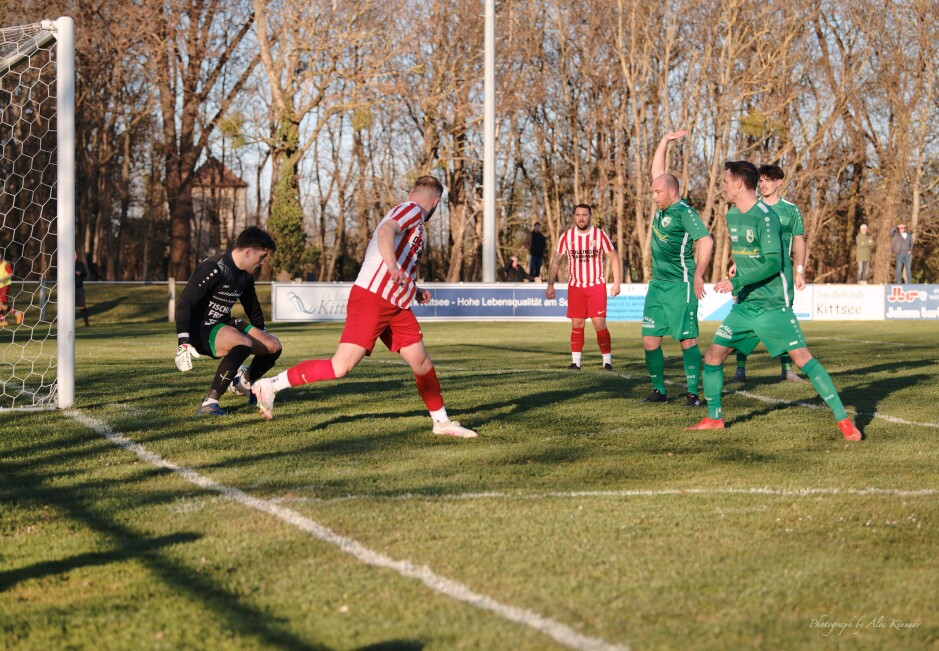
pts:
[663, 492]
[561, 633]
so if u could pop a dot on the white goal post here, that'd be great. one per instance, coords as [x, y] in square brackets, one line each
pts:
[37, 215]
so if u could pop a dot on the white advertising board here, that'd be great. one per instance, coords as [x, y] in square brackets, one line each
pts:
[848, 303]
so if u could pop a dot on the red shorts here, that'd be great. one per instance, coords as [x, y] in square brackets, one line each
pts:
[369, 317]
[586, 302]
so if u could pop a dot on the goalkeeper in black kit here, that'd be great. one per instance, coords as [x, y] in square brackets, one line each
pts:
[204, 324]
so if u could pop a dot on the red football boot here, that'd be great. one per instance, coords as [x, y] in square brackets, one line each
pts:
[850, 432]
[708, 423]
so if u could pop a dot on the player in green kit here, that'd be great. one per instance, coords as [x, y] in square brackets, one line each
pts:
[762, 311]
[671, 305]
[793, 239]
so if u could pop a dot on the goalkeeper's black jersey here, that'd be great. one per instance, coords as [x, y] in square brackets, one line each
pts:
[211, 293]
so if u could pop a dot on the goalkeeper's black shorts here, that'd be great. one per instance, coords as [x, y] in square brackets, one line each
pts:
[204, 342]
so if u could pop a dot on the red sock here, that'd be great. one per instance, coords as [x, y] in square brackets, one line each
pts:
[314, 370]
[429, 387]
[577, 340]
[603, 339]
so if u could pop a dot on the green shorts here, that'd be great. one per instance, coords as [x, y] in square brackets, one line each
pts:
[670, 309]
[205, 341]
[747, 326]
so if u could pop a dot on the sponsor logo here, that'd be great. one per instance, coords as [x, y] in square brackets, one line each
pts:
[899, 295]
[648, 322]
[725, 332]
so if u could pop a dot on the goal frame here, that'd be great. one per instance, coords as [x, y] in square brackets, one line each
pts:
[64, 29]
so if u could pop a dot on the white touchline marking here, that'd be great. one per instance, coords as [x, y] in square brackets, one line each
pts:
[561, 633]
[663, 492]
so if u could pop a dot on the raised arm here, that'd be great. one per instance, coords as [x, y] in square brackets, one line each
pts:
[658, 160]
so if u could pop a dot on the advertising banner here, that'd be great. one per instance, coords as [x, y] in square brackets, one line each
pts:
[309, 301]
[848, 303]
[526, 301]
[912, 302]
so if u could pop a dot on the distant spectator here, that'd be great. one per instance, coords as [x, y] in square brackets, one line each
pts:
[864, 243]
[902, 248]
[80, 274]
[536, 244]
[513, 272]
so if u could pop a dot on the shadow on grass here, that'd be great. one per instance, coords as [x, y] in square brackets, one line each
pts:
[77, 501]
[864, 398]
[394, 645]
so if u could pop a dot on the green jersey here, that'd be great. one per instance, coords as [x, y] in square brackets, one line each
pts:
[674, 230]
[756, 244]
[790, 219]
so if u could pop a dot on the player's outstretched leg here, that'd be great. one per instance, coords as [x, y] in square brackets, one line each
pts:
[313, 370]
[223, 377]
[826, 389]
[691, 357]
[428, 386]
[740, 375]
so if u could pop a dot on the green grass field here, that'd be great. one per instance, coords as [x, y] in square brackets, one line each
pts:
[581, 512]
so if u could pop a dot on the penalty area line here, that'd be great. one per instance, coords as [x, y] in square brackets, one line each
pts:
[559, 632]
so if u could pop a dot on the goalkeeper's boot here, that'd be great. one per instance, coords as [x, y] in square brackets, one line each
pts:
[607, 367]
[263, 390]
[238, 386]
[740, 375]
[849, 431]
[211, 409]
[3, 321]
[790, 376]
[707, 423]
[655, 396]
[19, 317]
[453, 428]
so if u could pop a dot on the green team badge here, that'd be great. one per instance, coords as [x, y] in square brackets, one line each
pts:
[666, 220]
[750, 235]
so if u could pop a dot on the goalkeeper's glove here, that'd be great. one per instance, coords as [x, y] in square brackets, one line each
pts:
[184, 355]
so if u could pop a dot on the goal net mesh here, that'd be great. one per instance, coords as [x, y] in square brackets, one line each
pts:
[28, 241]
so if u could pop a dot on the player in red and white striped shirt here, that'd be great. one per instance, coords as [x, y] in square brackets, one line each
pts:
[379, 308]
[585, 246]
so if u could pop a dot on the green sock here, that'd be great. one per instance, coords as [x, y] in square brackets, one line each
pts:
[655, 362]
[692, 358]
[741, 360]
[785, 362]
[713, 380]
[825, 387]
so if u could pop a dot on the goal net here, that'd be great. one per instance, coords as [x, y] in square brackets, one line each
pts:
[37, 314]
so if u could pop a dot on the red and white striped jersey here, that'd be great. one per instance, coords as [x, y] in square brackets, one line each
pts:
[409, 243]
[585, 253]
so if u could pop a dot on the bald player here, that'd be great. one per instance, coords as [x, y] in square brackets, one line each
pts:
[681, 251]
